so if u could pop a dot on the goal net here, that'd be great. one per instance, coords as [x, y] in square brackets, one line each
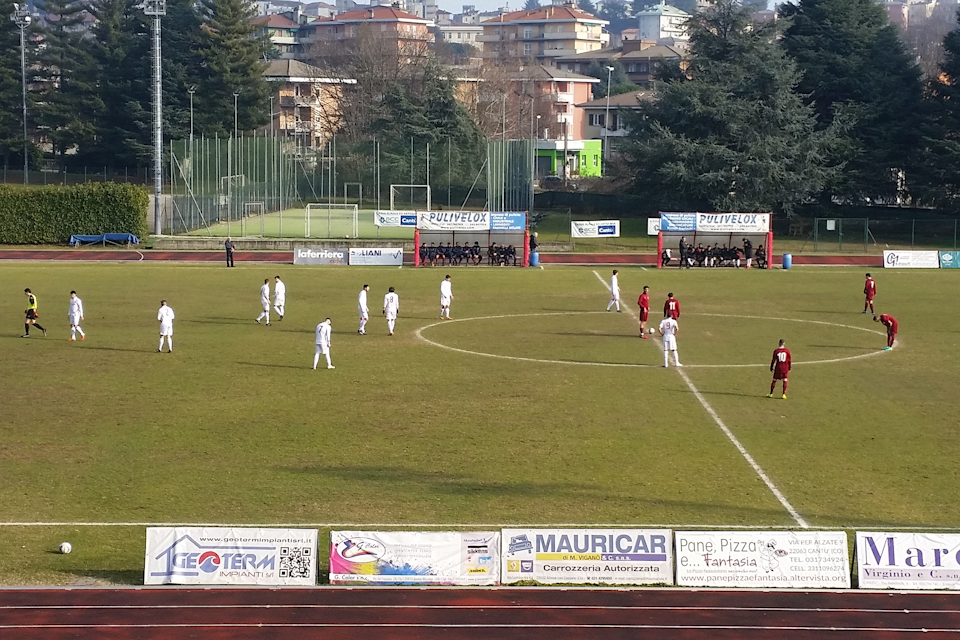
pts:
[416, 197]
[328, 220]
[715, 239]
[252, 214]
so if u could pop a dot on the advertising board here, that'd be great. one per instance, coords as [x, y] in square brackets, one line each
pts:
[323, 257]
[911, 259]
[373, 256]
[904, 560]
[595, 229]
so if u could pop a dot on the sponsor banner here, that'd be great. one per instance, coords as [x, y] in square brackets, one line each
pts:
[389, 257]
[653, 226]
[609, 556]
[508, 221]
[908, 560]
[911, 259]
[793, 559]
[226, 555]
[395, 218]
[595, 229]
[314, 256]
[453, 220]
[678, 221]
[412, 557]
[950, 259]
[733, 222]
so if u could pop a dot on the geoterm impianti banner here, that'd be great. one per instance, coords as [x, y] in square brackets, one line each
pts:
[604, 556]
[215, 555]
[414, 557]
[794, 559]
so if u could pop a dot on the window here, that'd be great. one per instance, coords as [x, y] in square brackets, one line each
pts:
[596, 161]
[577, 67]
[459, 36]
[643, 67]
[527, 48]
[631, 68]
[596, 119]
[562, 87]
[559, 28]
[527, 32]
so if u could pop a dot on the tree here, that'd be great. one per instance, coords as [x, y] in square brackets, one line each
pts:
[232, 57]
[587, 6]
[942, 140]
[619, 80]
[736, 136]
[11, 105]
[67, 101]
[531, 5]
[617, 14]
[182, 67]
[853, 61]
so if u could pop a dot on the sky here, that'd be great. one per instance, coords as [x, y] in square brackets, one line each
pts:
[456, 6]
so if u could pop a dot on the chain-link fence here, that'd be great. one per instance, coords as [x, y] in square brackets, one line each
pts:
[868, 235]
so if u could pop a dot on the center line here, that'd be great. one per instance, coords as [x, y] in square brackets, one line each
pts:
[726, 431]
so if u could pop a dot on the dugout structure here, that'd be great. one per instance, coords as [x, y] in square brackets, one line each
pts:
[484, 227]
[714, 228]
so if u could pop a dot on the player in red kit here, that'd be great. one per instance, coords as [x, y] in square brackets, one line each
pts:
[644, 303]
[890, 323]
[671, 308]
[780, 365]
[869, 290]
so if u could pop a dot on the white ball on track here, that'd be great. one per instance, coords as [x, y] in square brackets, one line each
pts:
[66, 547]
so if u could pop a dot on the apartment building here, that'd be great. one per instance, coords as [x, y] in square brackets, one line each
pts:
[543, 34]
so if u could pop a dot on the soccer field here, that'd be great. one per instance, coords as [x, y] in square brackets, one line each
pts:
[532, 406]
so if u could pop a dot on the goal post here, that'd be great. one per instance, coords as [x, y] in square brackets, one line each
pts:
[342, 219]
[721, 230]
[424, 203]
[251, 209]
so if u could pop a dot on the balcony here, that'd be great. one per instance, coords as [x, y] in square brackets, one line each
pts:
[562, 98]
[299, 101]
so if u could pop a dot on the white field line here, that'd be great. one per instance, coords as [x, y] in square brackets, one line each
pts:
[726, 431]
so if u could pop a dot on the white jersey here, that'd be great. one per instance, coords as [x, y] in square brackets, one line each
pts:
[614, 287]
[446, 291]
[265, 294]
[165, 316]
[362, 304]
[323, 336]
[669, 328]
[391, 305]
[279, 292]
[76, 308]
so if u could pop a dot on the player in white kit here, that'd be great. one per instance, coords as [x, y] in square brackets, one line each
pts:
[363, 309]
[669, 329]
[265, 302]
[614, 292]
[75, 315]
[323, 343]
[446, 295]
[279, 295]
[391, 307]
[165, 316]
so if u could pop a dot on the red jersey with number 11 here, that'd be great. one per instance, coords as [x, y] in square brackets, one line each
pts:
[671, 308]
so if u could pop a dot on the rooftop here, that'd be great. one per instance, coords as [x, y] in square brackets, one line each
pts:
[543, 14]
[629, 99]
[275, 21]
[662, 9]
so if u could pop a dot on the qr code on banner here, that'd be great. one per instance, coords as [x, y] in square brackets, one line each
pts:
[295, 562]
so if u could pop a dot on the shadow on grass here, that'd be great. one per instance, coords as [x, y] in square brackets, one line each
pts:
[274, 366]
[841, 346]
[215, 320]
[87, 346]
[90, 577]
[597, 334]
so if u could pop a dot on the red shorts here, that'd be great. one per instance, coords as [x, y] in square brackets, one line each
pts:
[869, 297]
[644, 314]
[780, 374]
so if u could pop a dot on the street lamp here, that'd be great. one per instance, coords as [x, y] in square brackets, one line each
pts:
[155, 9]
[21, 17]
[236, 97]
[192, 90]
[606, 117]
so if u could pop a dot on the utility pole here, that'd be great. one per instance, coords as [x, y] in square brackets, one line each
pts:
[156, 9]
[606, 116]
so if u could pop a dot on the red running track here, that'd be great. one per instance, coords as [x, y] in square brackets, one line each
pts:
[504, 614]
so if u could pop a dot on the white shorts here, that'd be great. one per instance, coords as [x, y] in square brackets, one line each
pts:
[615, 296]
[265, 305]
[364, 313]
[669, 343]
[391, 315]
[166, 329]
[278, 302]
[445, 301]
[323, 348]
[75, 319]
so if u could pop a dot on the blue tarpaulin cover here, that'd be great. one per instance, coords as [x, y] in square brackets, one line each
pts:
[105, 238]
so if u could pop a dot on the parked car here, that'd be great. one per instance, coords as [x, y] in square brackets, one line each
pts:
[555, 183]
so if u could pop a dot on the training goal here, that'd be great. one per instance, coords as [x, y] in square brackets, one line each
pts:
[416, 197]
[329, 220]
[252, 211]
[719, 231]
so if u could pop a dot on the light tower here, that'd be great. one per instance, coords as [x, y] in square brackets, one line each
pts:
[21, 17]
[155, 9]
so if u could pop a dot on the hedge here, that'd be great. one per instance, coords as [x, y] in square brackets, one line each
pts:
[50, 215]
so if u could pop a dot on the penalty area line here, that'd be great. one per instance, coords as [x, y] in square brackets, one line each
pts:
[732, 438]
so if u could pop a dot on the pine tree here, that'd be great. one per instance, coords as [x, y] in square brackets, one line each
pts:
[68, 101]
[182, 67]
[853, 62]
[736, 136]
[587, 6]
[531, 5]
[233, 61]
[942, 137]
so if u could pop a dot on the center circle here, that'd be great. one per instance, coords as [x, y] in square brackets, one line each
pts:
[608, 343]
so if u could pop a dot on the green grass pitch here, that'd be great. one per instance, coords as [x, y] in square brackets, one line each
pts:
[234, 427]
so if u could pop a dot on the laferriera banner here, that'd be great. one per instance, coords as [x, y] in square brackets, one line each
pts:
[595, 229]
[793, 559]
[607, 556]
[209, 555]
[715, 222]
[908, 560]
[411, 557]
[911, 259]
[390, 257]
[314, 256]
[395, 218]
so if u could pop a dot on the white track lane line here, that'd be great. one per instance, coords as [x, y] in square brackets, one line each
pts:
[726, 431]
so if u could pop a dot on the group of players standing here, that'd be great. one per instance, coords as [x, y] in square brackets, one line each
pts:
[781, 362]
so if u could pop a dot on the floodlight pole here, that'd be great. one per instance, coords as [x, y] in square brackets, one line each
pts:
[21, 17]
[156, 9]
[191, 91]
[606, 117]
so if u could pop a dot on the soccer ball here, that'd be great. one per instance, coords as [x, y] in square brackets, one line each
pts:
[652, 331]
[66, 547]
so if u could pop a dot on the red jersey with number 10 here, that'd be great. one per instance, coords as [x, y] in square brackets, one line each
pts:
[780, 364]
[870, 288]
[671, 308]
